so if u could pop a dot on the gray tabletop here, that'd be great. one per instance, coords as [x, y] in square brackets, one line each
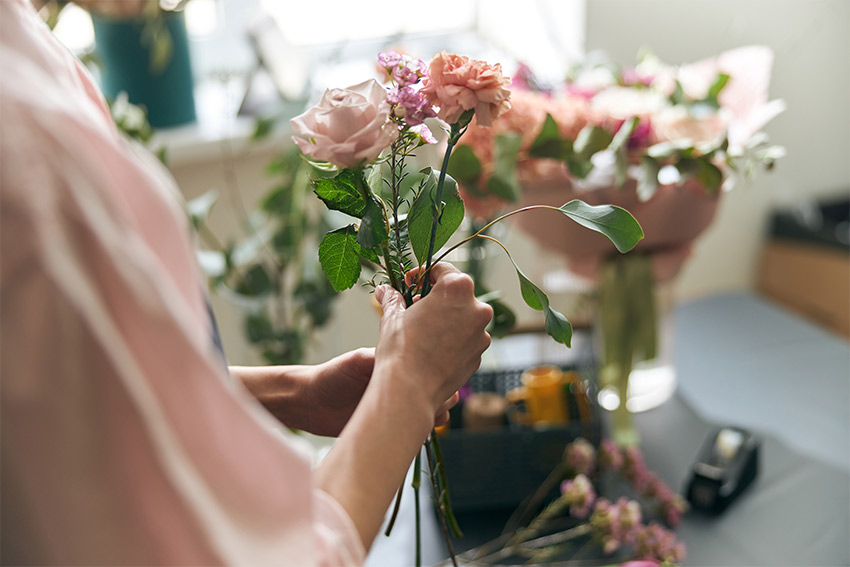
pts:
[745, 362]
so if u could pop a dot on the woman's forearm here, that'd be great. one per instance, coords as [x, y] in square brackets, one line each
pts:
[280, 389]
[371, 458]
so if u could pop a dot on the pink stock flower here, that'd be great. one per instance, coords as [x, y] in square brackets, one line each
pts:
[348, 127]
[579, 494]
[580, 456]
[456, 84]
[610, 455]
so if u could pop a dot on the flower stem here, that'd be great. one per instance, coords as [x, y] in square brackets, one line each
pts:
[455, 134]
[439, 492]
[417, 482]
[479, 232]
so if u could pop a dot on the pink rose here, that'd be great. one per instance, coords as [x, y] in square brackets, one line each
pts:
[348, 127]
[457, 84]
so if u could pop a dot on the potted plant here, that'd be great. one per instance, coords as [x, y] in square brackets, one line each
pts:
[142, 49]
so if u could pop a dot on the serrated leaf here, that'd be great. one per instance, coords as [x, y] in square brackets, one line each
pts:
[373, 230]
[503, 182]
[342, 193]
[338, 257]
[464, 166]
[420, 218]
[615, 223]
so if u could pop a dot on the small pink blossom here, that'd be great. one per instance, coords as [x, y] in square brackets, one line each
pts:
[425, 133]
[580, 495]
[456, 84]
[580, 456]
[610, 455]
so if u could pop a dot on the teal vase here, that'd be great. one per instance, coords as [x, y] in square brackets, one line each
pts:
[163, 86]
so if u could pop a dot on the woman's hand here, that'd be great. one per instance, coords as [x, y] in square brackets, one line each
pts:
[318, 399]
[436, 343]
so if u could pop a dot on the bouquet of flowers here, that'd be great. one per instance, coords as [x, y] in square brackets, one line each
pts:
[660, 140]
[363, 135]
[653, 124]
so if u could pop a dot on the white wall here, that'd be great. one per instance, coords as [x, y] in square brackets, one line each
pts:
[811, 44]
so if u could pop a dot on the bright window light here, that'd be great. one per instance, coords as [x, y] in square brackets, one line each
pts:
[74, 29]
[202, 18]
[330, 21]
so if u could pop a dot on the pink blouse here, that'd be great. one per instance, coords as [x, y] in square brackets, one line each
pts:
[123, 440]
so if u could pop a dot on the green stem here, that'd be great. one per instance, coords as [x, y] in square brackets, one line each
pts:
[439, 491]
[417, 482]
[480, 233]
[456, 132]
[445, 497]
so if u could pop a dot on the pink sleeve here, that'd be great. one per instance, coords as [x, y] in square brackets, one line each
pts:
[123, 439]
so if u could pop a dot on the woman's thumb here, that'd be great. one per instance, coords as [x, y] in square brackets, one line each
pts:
[389, 299]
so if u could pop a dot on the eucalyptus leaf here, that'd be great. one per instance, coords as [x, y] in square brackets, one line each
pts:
[338, 257]
[342, 193]
[421, 217]
[615, 223]
[557, 325]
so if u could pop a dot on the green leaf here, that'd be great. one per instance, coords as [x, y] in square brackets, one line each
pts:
[342, 193]
[464, 166]
[714, 90]
[263, 127]
[373, 230]
[557, 325]
[199, 208]
[663, 150]
[591, 139]
[649, 182]
[258, 328]
[338, 257]
[503, 183]
[678, 95]
[421, 216]
[256, 281]
[709, 175]
[615, 223]
[549, 143]
[618, 146]
[375, 179]
[504, 319]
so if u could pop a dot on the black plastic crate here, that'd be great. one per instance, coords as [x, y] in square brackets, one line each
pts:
[498, 469]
